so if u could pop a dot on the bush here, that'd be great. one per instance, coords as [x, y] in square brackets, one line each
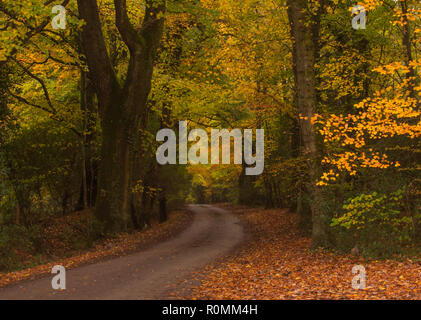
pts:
[14, 240]
[377, 222]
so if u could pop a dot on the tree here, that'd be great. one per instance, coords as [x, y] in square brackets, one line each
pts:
[121, 106]
[305, 33]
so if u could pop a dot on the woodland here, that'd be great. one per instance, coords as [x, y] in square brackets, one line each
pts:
[80, 108]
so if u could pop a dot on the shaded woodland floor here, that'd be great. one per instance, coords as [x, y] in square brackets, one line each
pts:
[277, 263]
[150, 273]
[119, 245]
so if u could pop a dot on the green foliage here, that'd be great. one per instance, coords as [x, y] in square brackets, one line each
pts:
[377, 221]
[13, 240]
[38, 162]
[220, 64]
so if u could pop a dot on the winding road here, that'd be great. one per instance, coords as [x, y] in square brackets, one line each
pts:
[149, 274]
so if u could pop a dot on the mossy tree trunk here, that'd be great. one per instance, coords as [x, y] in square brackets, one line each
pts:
[121, 106]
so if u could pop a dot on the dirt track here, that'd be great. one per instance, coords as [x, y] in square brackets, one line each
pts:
[149, 274]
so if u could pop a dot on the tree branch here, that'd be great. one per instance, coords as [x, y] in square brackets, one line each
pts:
[96, 51]
[51, 114]
[125, 28]
[33, 30]
[22, 99]
[40, 81]
[153, 21]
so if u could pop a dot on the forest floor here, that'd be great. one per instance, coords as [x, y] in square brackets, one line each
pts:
[152, 273]
[238, 253]
[277, 263]
[57, 252]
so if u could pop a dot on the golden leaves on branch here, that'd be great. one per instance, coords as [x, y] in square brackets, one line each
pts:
[391, 112]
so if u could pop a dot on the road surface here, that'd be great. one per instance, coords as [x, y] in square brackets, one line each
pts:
[149, 274]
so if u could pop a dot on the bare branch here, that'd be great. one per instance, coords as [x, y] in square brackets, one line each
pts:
[25, 101]
[51, 114]
[40, 81]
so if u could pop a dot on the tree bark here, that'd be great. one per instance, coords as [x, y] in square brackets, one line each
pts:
[406, 41]
[120, 106]
[304, 56]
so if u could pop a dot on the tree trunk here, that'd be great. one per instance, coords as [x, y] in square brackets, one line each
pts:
[163, 214]
[406, 41]
[268, 194]
[112, 208]
[17, 218]
[121, 107]
[304, 52]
